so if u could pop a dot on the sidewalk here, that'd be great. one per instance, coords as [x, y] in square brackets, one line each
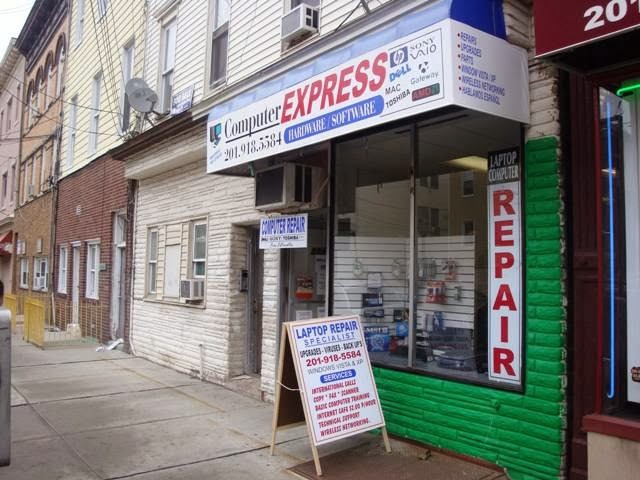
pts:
[79, 414]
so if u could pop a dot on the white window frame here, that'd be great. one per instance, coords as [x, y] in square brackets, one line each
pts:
[94, 127]
[33, 104]
[49, 97]
[63, 265]
[71, 141]
[12, 183]
[30, 168]
[43, 184]
[38, 263]
[9, 115]
[103, 5]
[24, 272]
[218, 29]
[42, 99]
[167, 65]
[5, 188]
[128, 53]
[60, 71]
[92, 284]
[18, 107]
[152, 262]
[193, 260]
[79, 28]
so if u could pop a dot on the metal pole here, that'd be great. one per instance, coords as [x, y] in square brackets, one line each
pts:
[5, 386]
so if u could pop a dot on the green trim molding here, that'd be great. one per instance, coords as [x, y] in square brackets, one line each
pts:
[521, 432]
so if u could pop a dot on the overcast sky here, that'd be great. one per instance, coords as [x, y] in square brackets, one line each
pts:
[13, 13]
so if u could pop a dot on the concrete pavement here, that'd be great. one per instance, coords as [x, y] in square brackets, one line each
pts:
[80, 414]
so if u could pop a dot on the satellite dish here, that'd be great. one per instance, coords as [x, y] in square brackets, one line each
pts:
[141, 97]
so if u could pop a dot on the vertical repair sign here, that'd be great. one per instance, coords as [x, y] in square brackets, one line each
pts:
[505, 267]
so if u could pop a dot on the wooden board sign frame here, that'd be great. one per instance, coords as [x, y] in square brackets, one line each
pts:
[334, 343]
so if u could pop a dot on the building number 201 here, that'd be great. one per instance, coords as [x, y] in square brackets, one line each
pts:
[614, 11]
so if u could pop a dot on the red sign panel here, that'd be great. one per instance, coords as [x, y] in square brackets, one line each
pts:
[565, 24]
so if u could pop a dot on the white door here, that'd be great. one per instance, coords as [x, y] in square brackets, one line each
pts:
[117, 281]
[75, 285]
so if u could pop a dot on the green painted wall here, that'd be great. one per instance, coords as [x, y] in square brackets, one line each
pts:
[523, 432]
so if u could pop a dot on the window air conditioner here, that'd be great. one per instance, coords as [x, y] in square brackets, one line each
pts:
[301, 20]
[289, 185]
[192, 289]
[40, 285]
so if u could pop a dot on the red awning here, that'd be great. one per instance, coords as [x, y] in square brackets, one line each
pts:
[569, 24]
[6, 243]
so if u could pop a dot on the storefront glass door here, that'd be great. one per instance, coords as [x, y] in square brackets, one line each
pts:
[306, 273]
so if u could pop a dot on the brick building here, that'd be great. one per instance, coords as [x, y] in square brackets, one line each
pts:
[43, 42]
[90, 246]
[89, 257]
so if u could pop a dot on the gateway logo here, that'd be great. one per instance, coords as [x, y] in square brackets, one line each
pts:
[214, 134]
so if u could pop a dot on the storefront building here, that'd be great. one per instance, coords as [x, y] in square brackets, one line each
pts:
[414, 153]
[429, 185]
[594, 42]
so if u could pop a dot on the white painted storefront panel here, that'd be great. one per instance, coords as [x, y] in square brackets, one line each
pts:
[448, 63]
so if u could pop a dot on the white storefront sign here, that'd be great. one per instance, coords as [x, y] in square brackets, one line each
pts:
[336, 381]
[505, 267]
[448, 63]
[289, 231]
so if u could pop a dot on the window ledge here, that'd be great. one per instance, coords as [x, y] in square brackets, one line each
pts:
[177, 303]
[215, 88]
[612, 426]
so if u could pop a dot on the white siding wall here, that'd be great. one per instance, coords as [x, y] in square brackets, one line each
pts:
[99, 51]
[254, 35]
[191, 43]
[171, 334]
[254, 38]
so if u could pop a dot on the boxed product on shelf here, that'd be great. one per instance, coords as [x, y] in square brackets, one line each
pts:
[377, 338]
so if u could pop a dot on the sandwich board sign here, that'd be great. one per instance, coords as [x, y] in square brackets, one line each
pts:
[325, 380]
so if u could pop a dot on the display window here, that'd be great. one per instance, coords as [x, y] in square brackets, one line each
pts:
[619, 126]
[411, 244]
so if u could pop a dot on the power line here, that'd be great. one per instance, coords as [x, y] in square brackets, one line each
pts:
[16, 9]
[95, 32]
[60, 123]
[23, 83]
[18, 139]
